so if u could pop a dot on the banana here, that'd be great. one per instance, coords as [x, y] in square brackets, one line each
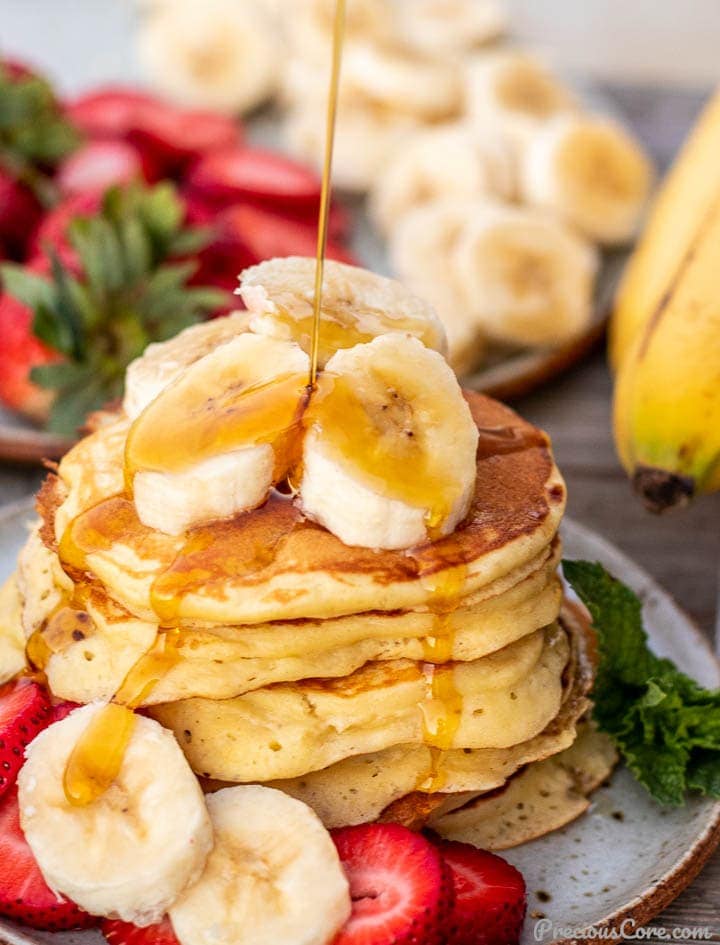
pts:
[210, 444]
[592, 173]
[451, 28]
[12, 638]
[132, 852]
[691, 186]
[442, 162]
[310, 35]
[667, 394]
[358, 305]
[221, 54]
[384, 409]
[514, 93]
[366, 136]
[274, 876]
[527, 279]
[164, 361]
[421, 248]
[391, 79]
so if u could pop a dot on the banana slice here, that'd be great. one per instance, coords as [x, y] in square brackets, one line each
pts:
[366, 136]
[431, 91]
[164, 361]
[12, 638]
[421, 250]
[221, 54]
[132, 852]
[313, 20]
[527, 278]
[273, 877]
[446, 162]
[213, 442]
[591, 172]
[358, 305]
[389, 456]
[516, 93]
[450, 28]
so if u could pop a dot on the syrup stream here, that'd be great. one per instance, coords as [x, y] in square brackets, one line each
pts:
[338, 35]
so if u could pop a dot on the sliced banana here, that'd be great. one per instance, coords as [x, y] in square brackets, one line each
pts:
[591, 172]
[273, 877]
[313, 20]
[366, 136]
[449, 28]
[221, 54]
[515, 93]
[212, 443]
[421, 249]
[431, 91]
[445, 162]
[358, 305]
[132, 852]
[389, 455]
[164, 361]
[12, 638]
[526, 277]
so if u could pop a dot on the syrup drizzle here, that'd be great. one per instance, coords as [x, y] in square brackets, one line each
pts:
[338, 36]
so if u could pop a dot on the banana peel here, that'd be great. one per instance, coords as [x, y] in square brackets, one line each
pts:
[665, 334]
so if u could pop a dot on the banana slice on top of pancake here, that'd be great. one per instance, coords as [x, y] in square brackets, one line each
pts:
[357, 306]
[212, 443]
[389, 452]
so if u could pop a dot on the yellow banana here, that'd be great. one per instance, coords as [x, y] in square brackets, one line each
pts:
[690, 187]
[667, 396]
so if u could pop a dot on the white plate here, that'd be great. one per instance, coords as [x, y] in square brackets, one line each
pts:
[624, 860]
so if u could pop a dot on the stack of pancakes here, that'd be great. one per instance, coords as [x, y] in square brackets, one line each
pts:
[371, 684]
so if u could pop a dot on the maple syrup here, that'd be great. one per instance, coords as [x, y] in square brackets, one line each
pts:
[66, 625]
[96, 759]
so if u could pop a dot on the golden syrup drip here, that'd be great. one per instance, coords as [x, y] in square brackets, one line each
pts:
[97, 758]
[388, 448]
[180, 429]
[98, 528]
[338, 35]
[65, 626]
[443, 705]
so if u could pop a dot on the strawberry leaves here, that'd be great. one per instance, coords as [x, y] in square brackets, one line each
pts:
[34, 135]
[129, 288]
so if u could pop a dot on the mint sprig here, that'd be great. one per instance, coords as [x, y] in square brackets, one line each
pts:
[665, 725]
[133, 289]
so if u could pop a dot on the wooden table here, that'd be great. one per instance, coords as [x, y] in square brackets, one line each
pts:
[682, 550]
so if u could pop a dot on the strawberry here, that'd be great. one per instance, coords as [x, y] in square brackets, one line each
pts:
[490, 899]
[52, 233]
[19, 214]
[99, 165]
[245, 235]
[241, 174]
[125, 933]
[400, 887]
[110, 113]
[24, 711]
[15, 69]
[24, 894]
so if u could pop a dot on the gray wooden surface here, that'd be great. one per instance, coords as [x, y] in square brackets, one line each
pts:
[682, 550]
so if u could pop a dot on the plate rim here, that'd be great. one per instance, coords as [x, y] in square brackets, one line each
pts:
[644, 907]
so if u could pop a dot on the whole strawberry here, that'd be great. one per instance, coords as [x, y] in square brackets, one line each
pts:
[24, 711]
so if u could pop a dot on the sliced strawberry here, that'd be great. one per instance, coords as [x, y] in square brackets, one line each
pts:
[400, 887]
[250, 234]
[98, 165]
[490, 898]
[24, 711]
[24, 894]
[61, 710]
[19, 214]
[236, 174]
[175, 137]
[125, 933]
[17, 69]
[110, 113]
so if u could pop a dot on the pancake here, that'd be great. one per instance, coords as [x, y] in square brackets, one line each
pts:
[12, 640]
[222, 662]
[543, 797]
[272, 564]
[286, 730]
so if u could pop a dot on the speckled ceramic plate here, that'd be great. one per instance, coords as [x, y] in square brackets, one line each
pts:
[626, 859]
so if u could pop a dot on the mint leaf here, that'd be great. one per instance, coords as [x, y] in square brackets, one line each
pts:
[665, 725]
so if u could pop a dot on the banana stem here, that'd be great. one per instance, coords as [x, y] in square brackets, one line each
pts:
[661, 490]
